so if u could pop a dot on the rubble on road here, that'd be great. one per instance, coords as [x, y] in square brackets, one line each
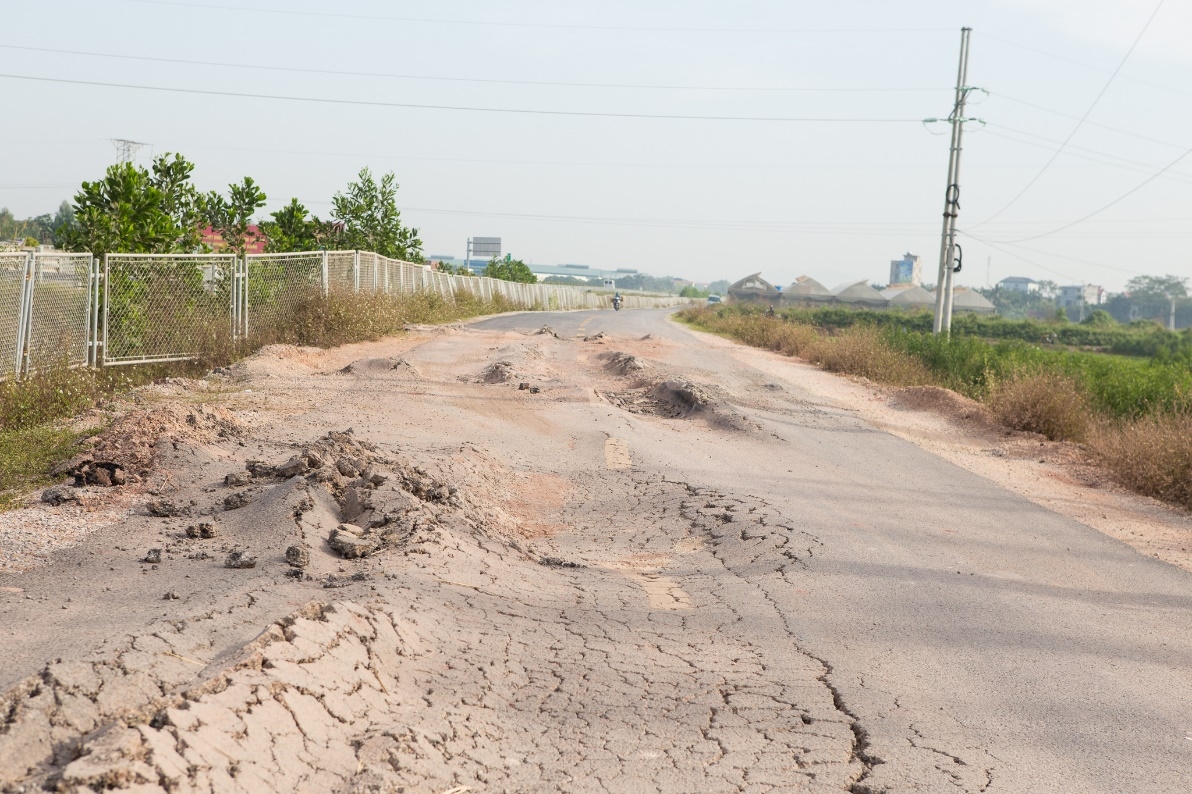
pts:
[163, 508]
[623, 363]
[240, 559]
[298, 556]
[201, 531]
[153, 556]
[60, 494]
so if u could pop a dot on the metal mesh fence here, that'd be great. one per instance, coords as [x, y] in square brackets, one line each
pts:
[341, 271]
[276, 286]
[166, 307]
[59, 316]
[60, 309]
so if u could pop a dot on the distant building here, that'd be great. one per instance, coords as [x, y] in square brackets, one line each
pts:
[1019, 284]
[908, 270]
[1080, 294]
[254, 243]
[754, 289]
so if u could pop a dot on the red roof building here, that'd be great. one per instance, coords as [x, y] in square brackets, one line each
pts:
[256, 240]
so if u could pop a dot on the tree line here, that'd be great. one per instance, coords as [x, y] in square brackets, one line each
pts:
[158, 210]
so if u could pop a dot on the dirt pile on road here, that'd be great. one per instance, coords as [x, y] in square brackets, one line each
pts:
[126, 450]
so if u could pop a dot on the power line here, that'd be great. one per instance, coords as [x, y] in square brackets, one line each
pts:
[485, 80]
[1020, 258]
[1080, 122]
[541, 25]
[521, 111]
[1117, 200]
[1082, 64]
[1130, 165]
[1097, 124]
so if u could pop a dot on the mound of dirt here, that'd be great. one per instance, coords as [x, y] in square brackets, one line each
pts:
[684, 395]
[274, 361]
[623, 363]
[126, 449]
[499, 372]
[941, 401]
[380, 366]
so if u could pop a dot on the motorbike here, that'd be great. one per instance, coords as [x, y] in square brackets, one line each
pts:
[616, 304]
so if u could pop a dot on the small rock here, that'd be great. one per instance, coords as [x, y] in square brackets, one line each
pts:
[200, 531]
[349, 466]
[239, 559]
[60, 494]
[170, 596]
[534, 390]
[164, 509]
[235, 501]
[153, 556]
[259, 468]
[237, 479]
[295, 573]
[298, 556]
[293, 467]
[347, 540]
[523, 386]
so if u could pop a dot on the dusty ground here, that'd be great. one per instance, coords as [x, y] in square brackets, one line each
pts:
[669, 563]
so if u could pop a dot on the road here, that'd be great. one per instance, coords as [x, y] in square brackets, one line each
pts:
[762, 594]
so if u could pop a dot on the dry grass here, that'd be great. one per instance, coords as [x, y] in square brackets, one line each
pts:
[1151, 455]
[1048, 403]
[864, 352]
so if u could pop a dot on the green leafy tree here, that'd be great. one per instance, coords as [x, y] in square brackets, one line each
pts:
[134, 211]
[692, 291]
[719, 287]
[371, 220]
[232, 216]
[293, 230]
[510, 269]
[1157, 287]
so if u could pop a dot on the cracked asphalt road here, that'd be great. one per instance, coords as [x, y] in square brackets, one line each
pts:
[764, 594]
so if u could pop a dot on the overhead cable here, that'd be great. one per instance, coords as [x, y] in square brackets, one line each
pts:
[1079, 123]
[439, 78]
[419, 106]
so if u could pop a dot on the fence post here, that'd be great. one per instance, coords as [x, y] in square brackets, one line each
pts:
[325, 274]
[22, 319]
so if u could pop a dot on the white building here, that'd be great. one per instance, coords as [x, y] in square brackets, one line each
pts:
[1080, 294]
[908, 270]
[1019, 284]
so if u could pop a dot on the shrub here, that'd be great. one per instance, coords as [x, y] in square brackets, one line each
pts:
[1049, 403]
[1151, 455]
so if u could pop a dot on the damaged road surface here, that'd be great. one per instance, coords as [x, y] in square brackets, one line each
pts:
[609, 555]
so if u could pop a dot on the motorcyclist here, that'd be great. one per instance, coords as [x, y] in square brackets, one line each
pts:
[617, 300]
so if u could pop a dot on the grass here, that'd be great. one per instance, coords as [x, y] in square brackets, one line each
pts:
[33, 436]
[1133, 414]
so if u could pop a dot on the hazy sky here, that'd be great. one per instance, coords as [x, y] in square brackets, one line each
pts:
[835, 197]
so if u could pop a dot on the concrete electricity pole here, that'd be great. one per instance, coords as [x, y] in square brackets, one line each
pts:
[949, 264]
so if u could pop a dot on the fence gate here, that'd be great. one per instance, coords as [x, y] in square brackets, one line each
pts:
[167, 307]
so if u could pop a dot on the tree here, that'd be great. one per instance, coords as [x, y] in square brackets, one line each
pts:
[231, 217]
[1157, 287]
[133, 211]
[510, 269]
[719, 287]
[371, 220]
[292, 230]
[692, 291]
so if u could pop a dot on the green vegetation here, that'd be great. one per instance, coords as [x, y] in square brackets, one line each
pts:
[371, 221]
[1099, 331]
[510, 269]
[1133, 414]
[232, 216]
[134, 211]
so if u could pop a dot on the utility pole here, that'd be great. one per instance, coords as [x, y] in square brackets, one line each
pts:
[126, 150]
[948, 262]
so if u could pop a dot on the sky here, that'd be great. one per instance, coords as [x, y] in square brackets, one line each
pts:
[704, 140]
